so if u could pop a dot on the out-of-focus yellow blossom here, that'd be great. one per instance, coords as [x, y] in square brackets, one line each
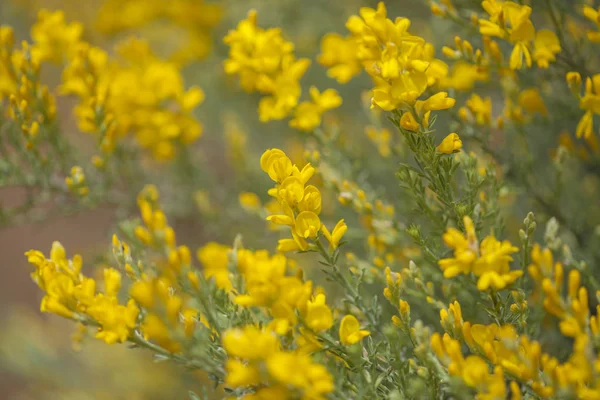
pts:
[196, 19]
[300, 203]
[250, 201]
[511, 21]
[71, 294]
[463, 76]
[589, 102]
[594, 16]
[215, 261]
[350, 331]
[168, 319]
[31, 104]
[381, 138]
[478, 109]
[76, 181]
[256, 358]
[489, 261]
[450, 144]
[54, 39]
[318, 315]
[545, 48]
[532, 102]
[340, 55]
[307, 115]
[584, 152]
[155, 230]
[236, 141]
[138, 94]
[265, 63]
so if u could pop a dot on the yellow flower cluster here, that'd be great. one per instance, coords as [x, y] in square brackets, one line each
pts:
[477, 109]
[515, 354]
[138, 94]
[573, 311]
[256, 359]
[214, 258]
[402, 65]
[307, 116]
[300, 203]
[267, 285]
[265, 62]
[31, 104]
[169, 316]
[511, 21]
[285, 297]
[156, 232]
[168, 320]
[471, 65]
[488, 260]
[71, 294]
[195, 18]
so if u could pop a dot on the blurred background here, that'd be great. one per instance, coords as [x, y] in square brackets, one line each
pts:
[37, 358]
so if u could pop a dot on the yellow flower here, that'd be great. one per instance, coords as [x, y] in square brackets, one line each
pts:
[215, 260]
[76, 181]
[335, 237]
[291, 191]
[307, 115]
[380, 137]
[350, 331]
[266, 63]
[592, 15]
[250, 343]
[143, 293]
[111, 106]
[408, 122]
[194, 19]
[439, 101]
[340, 55]
[241, 374]
[250, 201]
[450, 144]
[307, 224]
[590, 102]
[297, 370]
[275, 163]
[116, 321]
[54, 38]
[511, 21]
[532, 102]
[318, 314]
[546, 46]
[311, 200]
[402, 65]
[481, 108]
[489, 261]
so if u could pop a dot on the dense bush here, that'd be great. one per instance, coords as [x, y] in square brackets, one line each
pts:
[437, 235]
